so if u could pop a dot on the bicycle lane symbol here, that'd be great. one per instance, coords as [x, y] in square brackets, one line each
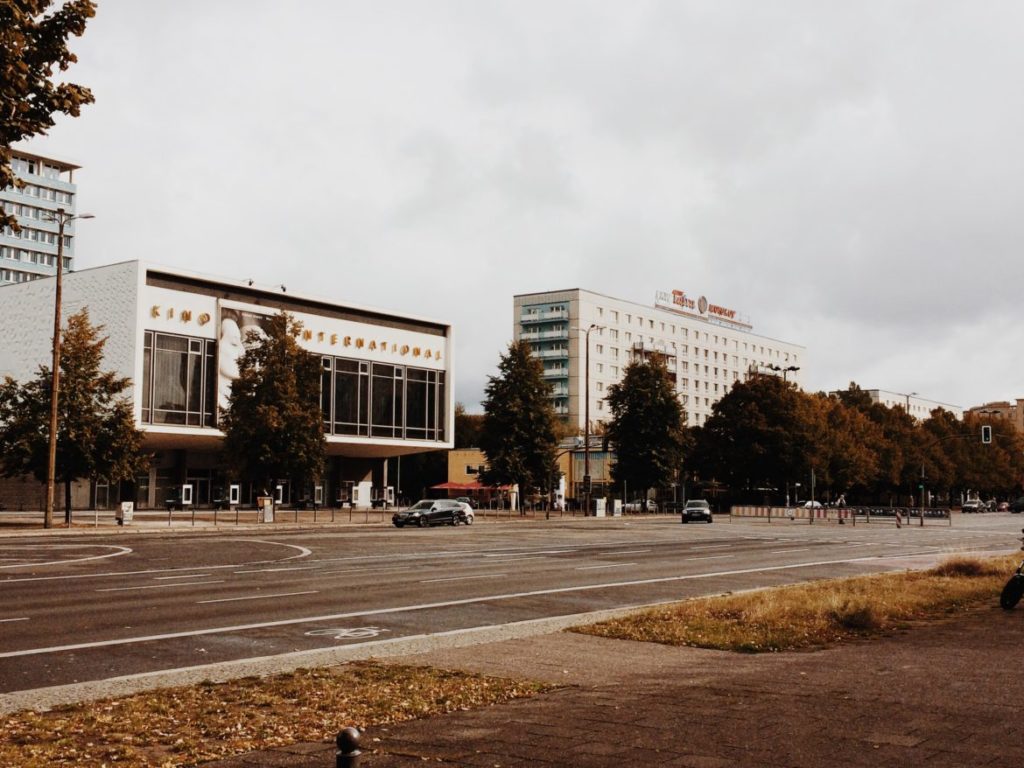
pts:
[348, 633]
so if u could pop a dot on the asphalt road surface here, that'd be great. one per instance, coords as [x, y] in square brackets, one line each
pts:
[82, 608]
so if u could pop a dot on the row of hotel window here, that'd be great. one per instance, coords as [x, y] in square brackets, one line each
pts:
[32, 257]
[28, 211]
[36, 236]
[24, 165]
[671, 349]
[179, 386]
[17, 276]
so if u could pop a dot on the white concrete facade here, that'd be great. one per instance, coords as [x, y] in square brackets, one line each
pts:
[386, 378]
[918, 407]
[707, 347]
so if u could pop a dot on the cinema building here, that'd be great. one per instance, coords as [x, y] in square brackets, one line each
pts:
[386, 377]
[707, 347]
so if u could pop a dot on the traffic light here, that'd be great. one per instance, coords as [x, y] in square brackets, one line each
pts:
[986, 434]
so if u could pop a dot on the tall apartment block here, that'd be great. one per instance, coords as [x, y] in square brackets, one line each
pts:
[32, 253]
[707, 347]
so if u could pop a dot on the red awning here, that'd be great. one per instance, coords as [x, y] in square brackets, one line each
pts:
[474, 486]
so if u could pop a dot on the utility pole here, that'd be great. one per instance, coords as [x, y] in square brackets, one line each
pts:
[61, 217]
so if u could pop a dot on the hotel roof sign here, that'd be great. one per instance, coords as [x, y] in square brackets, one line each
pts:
[677, 301]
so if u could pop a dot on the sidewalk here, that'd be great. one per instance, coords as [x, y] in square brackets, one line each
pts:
[940, 695]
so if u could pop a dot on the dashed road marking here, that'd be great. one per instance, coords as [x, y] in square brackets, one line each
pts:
[158, 586]
[257, 597]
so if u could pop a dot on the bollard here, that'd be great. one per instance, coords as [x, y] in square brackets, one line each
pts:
[348, 752]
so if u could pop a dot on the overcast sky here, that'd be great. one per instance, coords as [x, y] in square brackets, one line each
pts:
[847, 174]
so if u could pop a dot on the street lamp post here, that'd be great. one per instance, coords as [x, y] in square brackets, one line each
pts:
[586, 421]
[61, 217]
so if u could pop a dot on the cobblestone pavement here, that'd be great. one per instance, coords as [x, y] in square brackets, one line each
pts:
[940, 695]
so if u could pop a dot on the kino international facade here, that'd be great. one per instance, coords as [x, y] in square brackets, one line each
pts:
[178, 336]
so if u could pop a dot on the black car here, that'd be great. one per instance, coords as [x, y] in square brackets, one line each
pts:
[1017, 505]
[697, 510]
[430, 512]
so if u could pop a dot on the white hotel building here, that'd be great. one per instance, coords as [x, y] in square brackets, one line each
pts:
[707, 347]
[386, 381]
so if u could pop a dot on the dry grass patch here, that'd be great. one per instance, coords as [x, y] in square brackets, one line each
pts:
[817, 614]
[184, 726]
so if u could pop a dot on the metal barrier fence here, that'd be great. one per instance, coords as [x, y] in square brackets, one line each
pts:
[841, 515]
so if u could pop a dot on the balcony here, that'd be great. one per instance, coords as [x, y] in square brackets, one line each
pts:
[560, 391]
[556, 373]
[561, 410]
[548, 353]
[543, 317]
[544, 335]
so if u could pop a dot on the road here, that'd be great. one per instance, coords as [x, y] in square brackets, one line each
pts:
[92, 607]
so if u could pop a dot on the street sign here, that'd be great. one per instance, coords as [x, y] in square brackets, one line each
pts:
[986, 434]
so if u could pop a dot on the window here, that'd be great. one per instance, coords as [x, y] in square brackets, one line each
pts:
[178, 380]
[615, 316]
[600, 367]
[599, 348]
[384, 400]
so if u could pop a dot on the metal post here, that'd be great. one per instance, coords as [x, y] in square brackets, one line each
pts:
[348, 752]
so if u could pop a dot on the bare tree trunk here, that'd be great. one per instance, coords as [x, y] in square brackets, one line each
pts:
[67, 503]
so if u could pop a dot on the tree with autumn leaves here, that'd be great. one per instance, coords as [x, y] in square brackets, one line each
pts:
[33, 43]
[96, 435]
[766, 433]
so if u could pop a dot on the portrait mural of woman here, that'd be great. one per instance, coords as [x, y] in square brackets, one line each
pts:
[235, 328]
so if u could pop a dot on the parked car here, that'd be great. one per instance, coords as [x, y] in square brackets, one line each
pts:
[1017, 505]
[811, 505]
[638, 506]
[467, 500]
[430, 512]
[466, 512]
[697, 510]
[1003, 506]
[973, 505]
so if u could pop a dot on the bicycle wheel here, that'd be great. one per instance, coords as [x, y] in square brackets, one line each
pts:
[1012, 592]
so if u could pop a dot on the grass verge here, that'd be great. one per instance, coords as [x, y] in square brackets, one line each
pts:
[817, 614]
[188, 725]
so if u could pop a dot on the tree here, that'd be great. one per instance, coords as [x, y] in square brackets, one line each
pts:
[646, 427]
[273, 427]
[519, 426]
[96, 436]
[32, 43]
[762, 435]
[467, 427]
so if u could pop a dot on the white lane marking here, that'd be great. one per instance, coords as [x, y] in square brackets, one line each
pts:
[787, 551]
[464, 578]
[595, 567]
[303, 551]
[121, 551]
[713, 546]
[431, 606]
[23, 618]
[709, 557]
[183, 576]
[353, 633]
[158, 586]
[518, 559]
[279, 570]
[626, 552]
[534, 552]
[367, 570]
[257, 597]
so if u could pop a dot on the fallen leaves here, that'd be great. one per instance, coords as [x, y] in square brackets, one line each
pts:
[184, 726]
